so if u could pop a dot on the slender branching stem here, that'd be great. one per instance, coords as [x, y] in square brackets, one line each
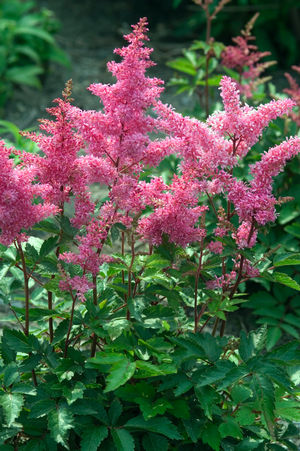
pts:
[196, 317]
[70, 323]
[26, 287]
[130, 273]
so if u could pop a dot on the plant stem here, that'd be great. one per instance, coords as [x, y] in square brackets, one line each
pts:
[196, 317]
[95, 300]
[26, 288]
[129, 273]
[50, 321]
[70, 324]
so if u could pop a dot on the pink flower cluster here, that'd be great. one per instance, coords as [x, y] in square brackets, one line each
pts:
[115, 148]
[17, 194]
[294, 92]
[245, 58]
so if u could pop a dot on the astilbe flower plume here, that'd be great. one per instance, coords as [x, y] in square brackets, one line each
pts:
[17, 196]
[294, 92]
[245, 58]
[209, 153]
[59, 169]
[117, 143]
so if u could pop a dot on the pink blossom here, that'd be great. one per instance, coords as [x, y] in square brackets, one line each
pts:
[59, 169]
[294, 92]
[243, 124]
[80, 284]
[223, 282]
[245, 59]
[17, 194]
[245, 236]
[216, 247]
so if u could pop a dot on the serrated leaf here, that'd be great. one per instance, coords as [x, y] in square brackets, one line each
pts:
[288, 409]
[291, 260]
[41, 407]
[230, 428]
[245, 416]
[61, 331]
[147, 369]
[74, 393]
[36, 32]
[93, 437]
[193, 428]
[290, 330]
[273, 335]
[16, 340]
[213, 374]
[211, 435]
[264, 391]
[293, 229]
[161, 425]
[123, 440]
[12, 405]
[154, 442]
[284, 279]
[48, 246]
[240, 393]
[60, 421]
[119, 374]
[11, 374]
[25, 389]
[115, 411]
[253, 343]
[207, 397]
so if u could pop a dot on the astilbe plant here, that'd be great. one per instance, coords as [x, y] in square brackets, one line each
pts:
[245, 58]
[294, 92]
[145, 308]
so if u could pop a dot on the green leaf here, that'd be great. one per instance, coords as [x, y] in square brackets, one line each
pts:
[60, 421]
[291, 260]
[273, 335]
[253, 343]
[212, 81]
[12, 405]
[61, 331]
[288, 409]
[92, 438]
[215, 373]
[240, 393]
[290, 330]
[115, 411]
[245, 416]
[284, 279]
[207, 397]
[17, 340]
[147, 369]
[123, 440]
[48, 246]
[42, 407]
[11, 374]
[25, 389]
[154, 442]
[151, 408]
[230, 428]
[264, 391]
[193, 428]
[211, 435]
[183, 65]
[161, 425]
[119, 374]
[37, 32]
[74, 393]
[24, 75]
[293, 229]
